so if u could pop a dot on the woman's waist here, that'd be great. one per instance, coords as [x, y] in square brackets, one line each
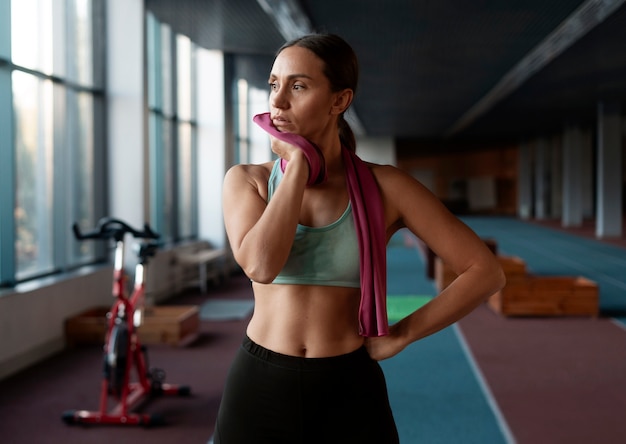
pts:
[308, 345]
[306, 322]
[304, 363]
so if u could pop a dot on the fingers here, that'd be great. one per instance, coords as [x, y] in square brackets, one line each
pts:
[310, 153]
[283, 149]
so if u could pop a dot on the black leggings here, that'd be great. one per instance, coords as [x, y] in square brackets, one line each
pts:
[279, 399]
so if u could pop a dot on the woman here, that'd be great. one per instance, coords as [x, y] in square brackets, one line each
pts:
[307, 371]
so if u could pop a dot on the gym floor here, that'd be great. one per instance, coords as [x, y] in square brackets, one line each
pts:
[486, 379]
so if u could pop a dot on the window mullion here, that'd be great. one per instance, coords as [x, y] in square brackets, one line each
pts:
[7, 181]
[62, 198]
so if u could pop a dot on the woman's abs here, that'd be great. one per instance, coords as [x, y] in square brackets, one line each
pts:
[306, 321]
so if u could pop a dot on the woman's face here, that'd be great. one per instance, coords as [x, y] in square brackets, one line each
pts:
[301, 100]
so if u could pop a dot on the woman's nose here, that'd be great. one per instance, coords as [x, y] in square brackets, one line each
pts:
[278, 99]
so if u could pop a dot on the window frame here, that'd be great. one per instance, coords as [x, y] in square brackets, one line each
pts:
[67, 136]
[168, 203]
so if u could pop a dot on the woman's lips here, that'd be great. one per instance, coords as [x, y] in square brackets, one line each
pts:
[279, 122]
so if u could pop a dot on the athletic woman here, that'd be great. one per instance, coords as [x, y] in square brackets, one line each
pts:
[308, 371]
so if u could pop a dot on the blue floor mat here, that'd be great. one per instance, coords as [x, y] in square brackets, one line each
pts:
[435, 393]
[406, 269]
[436, 396]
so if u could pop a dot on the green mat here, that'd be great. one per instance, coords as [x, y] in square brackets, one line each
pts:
[399, 306]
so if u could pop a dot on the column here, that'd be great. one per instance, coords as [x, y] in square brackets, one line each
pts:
[213, 138]
[125, 115]
[572, 173]
[541, 179]
[587, 174]
[609, 211]
[556, 177]
[524, 187]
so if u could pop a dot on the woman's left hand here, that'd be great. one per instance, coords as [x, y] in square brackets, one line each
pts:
[385, 347]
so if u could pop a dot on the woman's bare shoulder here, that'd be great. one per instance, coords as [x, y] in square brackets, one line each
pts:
[390, 178]
[407, 200]
[249, 172]
[250, 177]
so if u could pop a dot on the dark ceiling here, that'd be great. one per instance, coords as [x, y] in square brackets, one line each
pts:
[447, 70]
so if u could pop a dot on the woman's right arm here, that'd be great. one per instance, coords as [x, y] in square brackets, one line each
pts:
[261, 233]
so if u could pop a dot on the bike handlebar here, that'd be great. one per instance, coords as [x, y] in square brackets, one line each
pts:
[110, 228]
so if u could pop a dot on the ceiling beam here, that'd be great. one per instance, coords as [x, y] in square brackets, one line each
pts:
[289, 17]
[585, 18]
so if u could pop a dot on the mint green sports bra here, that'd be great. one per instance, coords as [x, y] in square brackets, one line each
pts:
[326, 255]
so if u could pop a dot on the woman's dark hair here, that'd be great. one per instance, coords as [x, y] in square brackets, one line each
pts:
[341, 67]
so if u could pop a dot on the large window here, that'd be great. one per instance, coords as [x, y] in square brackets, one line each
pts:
[52, 74]
[173, 131]
[253, 143]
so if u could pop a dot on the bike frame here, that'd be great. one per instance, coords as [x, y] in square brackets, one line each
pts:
[125, 310]
[126, 313]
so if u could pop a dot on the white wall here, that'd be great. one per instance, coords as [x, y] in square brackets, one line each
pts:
[211, 147]
[32, 316]
[125, 102]
[126, 131]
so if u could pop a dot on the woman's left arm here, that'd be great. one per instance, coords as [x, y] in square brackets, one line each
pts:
[479, 274]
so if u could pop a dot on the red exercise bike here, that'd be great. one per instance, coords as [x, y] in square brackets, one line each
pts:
[122, 350]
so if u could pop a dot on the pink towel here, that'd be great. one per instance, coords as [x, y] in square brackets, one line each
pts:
[317, 167]
[369, 219]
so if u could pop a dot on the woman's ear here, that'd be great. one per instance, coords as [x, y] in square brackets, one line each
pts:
[342, 101]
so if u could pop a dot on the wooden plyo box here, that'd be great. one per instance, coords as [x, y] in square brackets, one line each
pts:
[87, 327]
[513, 267]
[547, 296]
[174, 325]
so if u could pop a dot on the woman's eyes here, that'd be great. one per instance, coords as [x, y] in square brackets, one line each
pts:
[295, 86]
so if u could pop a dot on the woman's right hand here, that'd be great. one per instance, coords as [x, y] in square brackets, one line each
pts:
[289, 152]
[285, 150]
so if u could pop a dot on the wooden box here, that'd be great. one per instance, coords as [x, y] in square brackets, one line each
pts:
[547, 296]
[87, 327]
[513, 267]
[174, 325]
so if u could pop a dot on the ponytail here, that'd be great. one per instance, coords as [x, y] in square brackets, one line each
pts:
[346, 135]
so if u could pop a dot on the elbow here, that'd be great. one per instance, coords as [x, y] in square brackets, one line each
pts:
[501, 279]
[498, 278]
[260, 278]
[258, 264]
[490, 279]
[261, 275]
